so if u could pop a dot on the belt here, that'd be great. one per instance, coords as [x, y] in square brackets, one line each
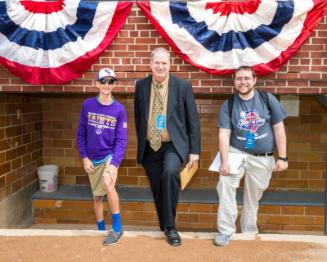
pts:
[263, 154]
[162, 142]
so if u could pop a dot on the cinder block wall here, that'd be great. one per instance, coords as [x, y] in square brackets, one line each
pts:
[307, 143]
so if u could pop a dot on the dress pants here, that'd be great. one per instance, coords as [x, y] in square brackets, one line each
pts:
[162, 168]
[257, 172]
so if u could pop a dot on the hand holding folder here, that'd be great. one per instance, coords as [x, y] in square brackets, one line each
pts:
[187, 173]
[236, 162]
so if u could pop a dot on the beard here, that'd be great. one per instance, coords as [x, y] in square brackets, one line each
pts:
[244, 93]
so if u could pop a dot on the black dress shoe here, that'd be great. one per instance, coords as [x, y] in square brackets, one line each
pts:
[173, 237]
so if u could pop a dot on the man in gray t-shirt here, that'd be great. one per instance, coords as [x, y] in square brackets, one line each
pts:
[252, 125]
[252, 116]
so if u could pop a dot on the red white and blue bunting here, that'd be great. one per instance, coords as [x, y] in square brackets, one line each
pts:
[55, 42]
[218, 37]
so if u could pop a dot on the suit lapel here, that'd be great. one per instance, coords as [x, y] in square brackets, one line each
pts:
[172, 97]
[147, 93]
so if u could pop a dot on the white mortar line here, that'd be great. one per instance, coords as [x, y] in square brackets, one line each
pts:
[156, 234]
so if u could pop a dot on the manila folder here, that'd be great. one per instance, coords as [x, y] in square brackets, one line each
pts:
[187, 173]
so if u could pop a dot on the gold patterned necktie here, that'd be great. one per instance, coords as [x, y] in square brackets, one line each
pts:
[155, 134]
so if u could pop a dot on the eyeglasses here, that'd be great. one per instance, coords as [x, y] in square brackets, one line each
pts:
[246, 78]
[108, 81]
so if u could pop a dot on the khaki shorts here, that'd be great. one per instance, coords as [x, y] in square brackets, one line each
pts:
[96, 180]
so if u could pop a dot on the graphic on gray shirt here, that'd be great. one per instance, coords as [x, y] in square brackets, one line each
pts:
[252, 116]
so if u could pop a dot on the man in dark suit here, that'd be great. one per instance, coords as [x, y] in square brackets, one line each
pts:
[168, 134]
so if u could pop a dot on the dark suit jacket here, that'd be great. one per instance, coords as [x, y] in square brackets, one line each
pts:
[182, 116]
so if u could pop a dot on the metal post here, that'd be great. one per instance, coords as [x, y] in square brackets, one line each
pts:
[325, 232]
[323, 100]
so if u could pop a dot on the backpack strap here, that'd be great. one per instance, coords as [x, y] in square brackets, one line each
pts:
[263, 95]
[230, 105]
[265, 98]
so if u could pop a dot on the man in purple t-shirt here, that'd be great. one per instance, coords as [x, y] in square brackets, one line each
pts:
[101, 141]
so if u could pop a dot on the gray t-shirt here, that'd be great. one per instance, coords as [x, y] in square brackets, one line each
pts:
[252, 116]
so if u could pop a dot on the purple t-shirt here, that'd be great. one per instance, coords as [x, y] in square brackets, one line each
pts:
[102, 131]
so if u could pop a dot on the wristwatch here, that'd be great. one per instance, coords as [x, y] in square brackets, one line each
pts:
[283, 158]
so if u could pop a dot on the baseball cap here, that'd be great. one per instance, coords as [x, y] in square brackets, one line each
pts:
[105, 72]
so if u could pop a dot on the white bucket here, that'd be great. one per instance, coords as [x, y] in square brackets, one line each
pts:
[48, 177]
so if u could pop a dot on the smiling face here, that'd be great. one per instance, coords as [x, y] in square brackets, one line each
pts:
[160, 65]
[244, 82]
[105, 86]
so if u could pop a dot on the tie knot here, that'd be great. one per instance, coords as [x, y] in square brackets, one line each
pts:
[159, 86]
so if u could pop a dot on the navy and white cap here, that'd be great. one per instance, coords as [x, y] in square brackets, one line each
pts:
[106, 72]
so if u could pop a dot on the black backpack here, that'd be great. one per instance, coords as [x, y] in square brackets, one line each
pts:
[263, 95]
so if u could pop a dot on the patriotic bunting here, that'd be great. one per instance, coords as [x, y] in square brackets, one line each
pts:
[55, 42]
[218, 37]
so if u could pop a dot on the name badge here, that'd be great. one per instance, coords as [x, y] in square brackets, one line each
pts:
[160, 122]
[249, 140]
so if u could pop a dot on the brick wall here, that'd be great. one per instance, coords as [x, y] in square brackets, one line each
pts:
[307, 149]
[305, 73]
[189, 216]
[20, 142]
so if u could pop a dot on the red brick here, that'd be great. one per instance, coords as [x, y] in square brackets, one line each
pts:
[65, 143]
[269, 209]
[42, 204]
[33, 89]
[310, 76]
[74, 89]
[42, 220]
[314, 211]
[279, 220]
[2, 181]
[319, 220]
[17, 186]
[292, 210]
[200, 208]
[302, 220]
[4, 168]
[53, 89]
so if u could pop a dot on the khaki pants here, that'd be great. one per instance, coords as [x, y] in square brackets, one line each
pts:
[257, 172]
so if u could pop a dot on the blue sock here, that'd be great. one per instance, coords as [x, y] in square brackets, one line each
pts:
[116, 224]
[101, 225]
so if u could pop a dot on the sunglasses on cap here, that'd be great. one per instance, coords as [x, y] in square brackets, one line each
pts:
[108, 81]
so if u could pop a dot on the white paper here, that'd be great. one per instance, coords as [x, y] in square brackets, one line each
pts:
[236, 162]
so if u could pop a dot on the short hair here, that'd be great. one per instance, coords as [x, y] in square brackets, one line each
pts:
[160, 50]
[246, 68]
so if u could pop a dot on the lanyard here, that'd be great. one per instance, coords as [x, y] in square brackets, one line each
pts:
[245, 109]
